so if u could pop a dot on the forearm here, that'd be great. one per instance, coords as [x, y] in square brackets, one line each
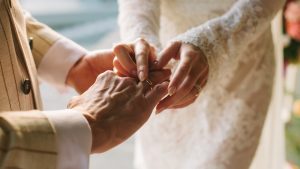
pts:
[140, 18]
[229, 35]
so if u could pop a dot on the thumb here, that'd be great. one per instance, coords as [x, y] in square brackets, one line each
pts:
[157, 94]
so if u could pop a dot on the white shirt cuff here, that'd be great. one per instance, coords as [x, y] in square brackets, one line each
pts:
[57, 62]
[74, 138]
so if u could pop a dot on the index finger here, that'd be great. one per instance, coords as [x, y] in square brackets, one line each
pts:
[142, 50]
[167, 54]
[123, 54]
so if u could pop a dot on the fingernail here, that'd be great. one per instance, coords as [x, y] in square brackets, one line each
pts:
[171, 90]
[142, 76]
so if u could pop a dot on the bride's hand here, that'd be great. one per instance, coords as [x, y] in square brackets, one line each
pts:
[134, 59]
[189, 77]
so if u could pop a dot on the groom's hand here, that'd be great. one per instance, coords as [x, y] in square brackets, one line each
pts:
[134, 59]
[116, 107]
[84, 73]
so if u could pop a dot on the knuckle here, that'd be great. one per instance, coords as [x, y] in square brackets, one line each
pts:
[106, 74]
[142, 68]
[73, 102]
[100, 77]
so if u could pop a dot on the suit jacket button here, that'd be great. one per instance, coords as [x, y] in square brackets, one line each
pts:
[26, 86]
[30, 41]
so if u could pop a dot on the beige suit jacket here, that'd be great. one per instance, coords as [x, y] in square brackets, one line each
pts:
[27, 139]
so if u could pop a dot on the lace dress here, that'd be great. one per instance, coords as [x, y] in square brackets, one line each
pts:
[221, 130]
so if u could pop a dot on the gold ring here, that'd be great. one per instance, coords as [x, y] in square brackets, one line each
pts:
[150, 83]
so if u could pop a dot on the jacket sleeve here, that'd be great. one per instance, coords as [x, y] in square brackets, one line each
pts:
[57, 139]
[140, 18]
[27, 141]
[44, 37]
[54, 54]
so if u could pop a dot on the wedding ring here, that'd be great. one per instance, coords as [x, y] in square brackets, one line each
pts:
[149, 83]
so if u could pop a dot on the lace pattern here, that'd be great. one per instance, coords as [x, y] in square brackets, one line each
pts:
[142, 20]
[222, 128]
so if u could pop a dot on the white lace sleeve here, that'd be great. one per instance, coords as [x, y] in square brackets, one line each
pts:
[139, 18]
[229, 35]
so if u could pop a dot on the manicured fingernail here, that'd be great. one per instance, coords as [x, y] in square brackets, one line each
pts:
[171, 90]
[142, 76]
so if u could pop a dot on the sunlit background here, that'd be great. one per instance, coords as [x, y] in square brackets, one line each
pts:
[92, 24]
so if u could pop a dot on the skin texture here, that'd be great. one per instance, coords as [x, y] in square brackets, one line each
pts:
[192, 70]
[116, 107]
[134, 59]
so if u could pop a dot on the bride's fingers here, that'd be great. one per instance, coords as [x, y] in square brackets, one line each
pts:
[142, 50]
[184, 104]
[171, 51]
[188, 68]
[160, 76]
[175, 99]
[120, 68]
[188, 99]
[122, 52]
[169, 101]
[183, 93]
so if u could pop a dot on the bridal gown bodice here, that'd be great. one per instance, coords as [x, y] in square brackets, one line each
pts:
[222, 128]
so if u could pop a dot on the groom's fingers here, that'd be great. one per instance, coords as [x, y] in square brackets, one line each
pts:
[171, 51]
[142, 50]
[123, 54]
[120, 69]
[157, 93]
